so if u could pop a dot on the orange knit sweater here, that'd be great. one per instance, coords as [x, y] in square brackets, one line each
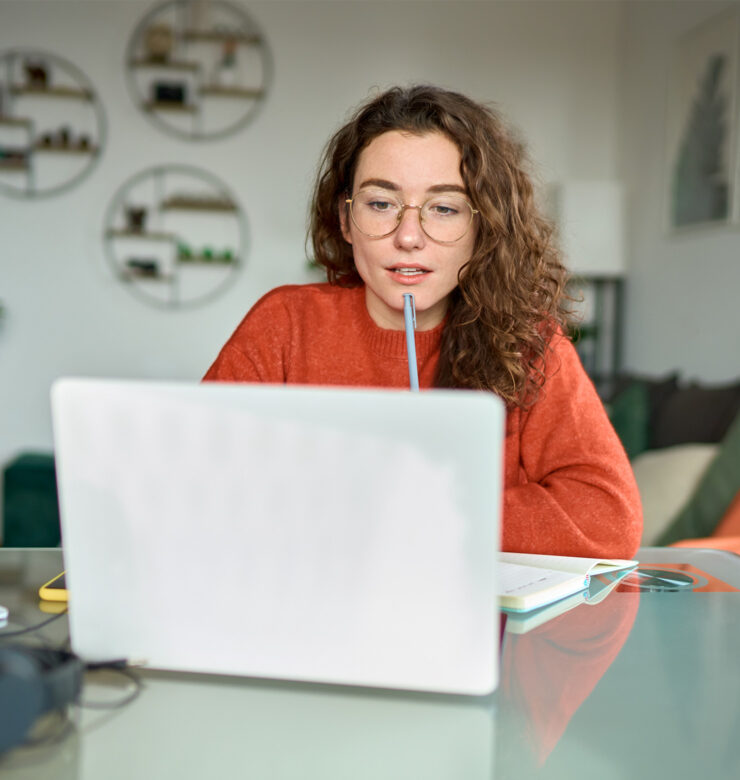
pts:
[568, 486]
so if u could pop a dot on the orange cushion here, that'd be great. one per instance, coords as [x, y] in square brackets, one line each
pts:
[729, 525]
[728, 543]
[726, 535]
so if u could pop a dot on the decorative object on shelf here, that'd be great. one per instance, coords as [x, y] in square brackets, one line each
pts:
[40, 156]
[169, 93]
[175, 235]
[135, 218]
[226, 73]
[12, 158]
[145, 266]
[63, 137]
[589, 218]
[198, 69]
[37, 74]
[702, 132]
[159, 41]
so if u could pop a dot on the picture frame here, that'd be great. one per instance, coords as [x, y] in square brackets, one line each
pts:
[702, 133]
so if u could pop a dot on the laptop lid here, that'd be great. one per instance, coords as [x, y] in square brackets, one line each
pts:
[319, 534]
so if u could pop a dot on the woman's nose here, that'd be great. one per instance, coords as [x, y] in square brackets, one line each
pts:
[409, 233]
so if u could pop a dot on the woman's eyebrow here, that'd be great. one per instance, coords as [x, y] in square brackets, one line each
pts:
[448, 188]
[389, 185]
[382, 183]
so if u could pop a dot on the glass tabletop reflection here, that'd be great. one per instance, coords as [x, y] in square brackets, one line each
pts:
[643, 683]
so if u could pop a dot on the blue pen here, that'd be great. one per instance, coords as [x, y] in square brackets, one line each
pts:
[409, 319]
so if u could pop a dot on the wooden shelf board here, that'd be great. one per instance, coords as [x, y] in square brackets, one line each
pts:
[13, 166]
[15, 121]
[219, 36]
[54, 92]
[214, 90]
[198, 260]
[130, 275]
[173, 107]
[177, 204]
[151, 236]
[92, 150]
[166, 64]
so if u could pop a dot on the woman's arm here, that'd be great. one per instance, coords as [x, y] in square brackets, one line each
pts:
[576, 493]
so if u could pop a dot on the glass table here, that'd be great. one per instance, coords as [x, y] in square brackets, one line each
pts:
[645, 683]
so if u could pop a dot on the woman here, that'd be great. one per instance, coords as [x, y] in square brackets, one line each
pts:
[424, 191]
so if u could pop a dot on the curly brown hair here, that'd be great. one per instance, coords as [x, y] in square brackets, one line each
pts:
[511, 297]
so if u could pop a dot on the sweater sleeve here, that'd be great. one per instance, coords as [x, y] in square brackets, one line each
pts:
[257, 350]
[576, 494]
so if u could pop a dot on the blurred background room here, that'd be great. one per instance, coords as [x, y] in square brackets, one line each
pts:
[157, 158]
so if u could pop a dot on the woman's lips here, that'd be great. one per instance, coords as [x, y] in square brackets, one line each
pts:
[408, 274]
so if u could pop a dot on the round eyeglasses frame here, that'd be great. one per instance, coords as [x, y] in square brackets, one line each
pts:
[399, 217]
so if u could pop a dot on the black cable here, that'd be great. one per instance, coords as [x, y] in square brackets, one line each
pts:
[114, 666]
[117, 665]
[6, 634]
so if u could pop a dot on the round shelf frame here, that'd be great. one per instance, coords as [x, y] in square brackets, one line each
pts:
[20, 160]
[187, 97]
[138, 279]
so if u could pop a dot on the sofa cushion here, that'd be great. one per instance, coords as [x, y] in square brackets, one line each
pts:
[729, 525]
[658, 391]
[713, 495]
[629, 411]
[695, 413]
[666, 480]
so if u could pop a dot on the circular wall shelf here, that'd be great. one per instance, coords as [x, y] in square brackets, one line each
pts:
[175, 236]
[52, 125]
[198, 70]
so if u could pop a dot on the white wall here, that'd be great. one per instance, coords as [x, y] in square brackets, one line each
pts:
[683, 290]
[553, 67]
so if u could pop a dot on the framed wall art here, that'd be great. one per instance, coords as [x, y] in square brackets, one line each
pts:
[702, 126]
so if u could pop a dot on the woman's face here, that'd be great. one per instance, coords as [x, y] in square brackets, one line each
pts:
[411, 169]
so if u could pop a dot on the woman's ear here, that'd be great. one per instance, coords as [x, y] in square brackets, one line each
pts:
[343, 207]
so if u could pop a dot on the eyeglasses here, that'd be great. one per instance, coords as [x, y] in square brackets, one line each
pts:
[445, 218]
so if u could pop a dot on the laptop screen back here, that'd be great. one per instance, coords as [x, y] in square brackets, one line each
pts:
[327, 535]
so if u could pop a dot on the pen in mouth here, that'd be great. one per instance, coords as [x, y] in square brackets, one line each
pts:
[409, 319]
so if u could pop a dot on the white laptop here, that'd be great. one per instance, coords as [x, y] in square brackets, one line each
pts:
[327, 535]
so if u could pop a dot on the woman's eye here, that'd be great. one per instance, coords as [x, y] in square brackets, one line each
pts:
[440, 210]
[380, 205]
